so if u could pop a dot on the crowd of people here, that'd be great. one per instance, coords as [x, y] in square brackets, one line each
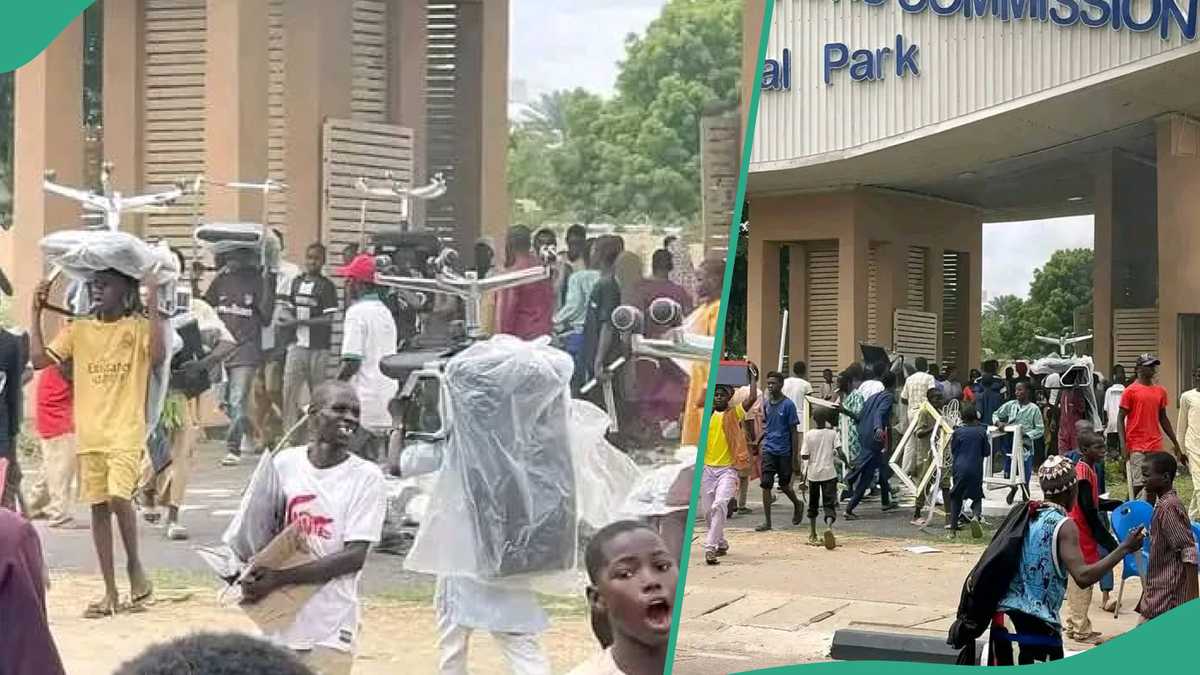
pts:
[264, 340]
[855, 424]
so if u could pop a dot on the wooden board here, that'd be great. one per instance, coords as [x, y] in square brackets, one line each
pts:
[822, 306]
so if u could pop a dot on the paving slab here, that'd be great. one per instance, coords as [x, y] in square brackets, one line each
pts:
[700, 602]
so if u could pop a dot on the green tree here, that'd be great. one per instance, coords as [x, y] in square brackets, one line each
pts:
[1000, 331]
[1059, 289]
[633, 158]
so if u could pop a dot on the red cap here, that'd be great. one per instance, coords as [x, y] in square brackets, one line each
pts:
[362, 268]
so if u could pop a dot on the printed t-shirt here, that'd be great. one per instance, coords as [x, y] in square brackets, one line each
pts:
[1142, 405]
[111, 375]
[312, 298]
[236, 297]
[719, 452]
[370, 335]
[780, 418]
[331, 507]
[54, 416]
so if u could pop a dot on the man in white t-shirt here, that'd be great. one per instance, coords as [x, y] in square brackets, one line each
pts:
[337, 501]
[1112, 408]
[368, 335]
[797, 387]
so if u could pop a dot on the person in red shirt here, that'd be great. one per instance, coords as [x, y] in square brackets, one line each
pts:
[1143, 412]
[525, 311]
[53, 495]
[1093, 534]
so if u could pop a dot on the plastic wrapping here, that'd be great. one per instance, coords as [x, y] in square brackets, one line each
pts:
[223, 238]
[665, 490]
[260, 517]
[603, 473]
[80, 253]
[505, 501]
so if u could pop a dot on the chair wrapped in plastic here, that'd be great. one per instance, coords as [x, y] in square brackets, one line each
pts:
[524, 470]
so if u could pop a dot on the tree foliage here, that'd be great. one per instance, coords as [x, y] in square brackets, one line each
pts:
[634, 157]
[1060, 290]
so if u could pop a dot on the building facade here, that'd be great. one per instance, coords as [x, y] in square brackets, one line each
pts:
[888, 131]
[310, 93]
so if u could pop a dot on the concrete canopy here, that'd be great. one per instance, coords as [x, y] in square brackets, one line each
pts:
[1028, 159]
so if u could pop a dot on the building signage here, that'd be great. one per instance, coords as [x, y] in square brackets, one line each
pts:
[871, 63]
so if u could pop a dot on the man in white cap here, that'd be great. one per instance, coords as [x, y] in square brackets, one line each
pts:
[1142, 421]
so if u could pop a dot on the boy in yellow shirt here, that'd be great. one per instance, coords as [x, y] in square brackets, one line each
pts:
[113, 352]
[725, 451]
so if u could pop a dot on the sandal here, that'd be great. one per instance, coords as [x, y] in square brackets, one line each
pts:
[141, 602]
[101, 609]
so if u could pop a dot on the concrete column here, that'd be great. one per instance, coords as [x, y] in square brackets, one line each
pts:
[973, 321]
[890, 295]
[762, 302]
[124, 73]
[1102, 272]
[752, 18]
[797, 301]
[1178, 241]
[407, 63]
[318, 84]
[852, 294]
[47, 134]
[935, 280]
[494, 120]
[235, 107]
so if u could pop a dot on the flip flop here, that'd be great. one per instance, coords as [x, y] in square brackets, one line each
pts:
[139, 603]
[101, 609]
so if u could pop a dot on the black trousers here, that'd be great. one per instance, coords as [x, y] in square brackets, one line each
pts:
[825, 492]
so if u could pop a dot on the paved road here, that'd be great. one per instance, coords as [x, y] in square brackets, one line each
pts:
[212, 498]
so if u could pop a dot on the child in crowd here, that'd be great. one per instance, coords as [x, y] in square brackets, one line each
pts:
[819, 455]
[968, 448]
[1094, 536]
[632, 582]
[1171, 579]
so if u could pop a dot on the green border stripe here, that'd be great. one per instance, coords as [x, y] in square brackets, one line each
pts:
[28, 27]
[719, 338]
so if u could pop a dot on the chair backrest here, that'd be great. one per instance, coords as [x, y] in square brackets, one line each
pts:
[1125, 518]
[1196, 535]
[1131, 514]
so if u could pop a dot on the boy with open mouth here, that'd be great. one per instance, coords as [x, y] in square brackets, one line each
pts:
[633, 577]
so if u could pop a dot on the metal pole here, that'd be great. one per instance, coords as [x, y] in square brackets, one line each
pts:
[783, 334]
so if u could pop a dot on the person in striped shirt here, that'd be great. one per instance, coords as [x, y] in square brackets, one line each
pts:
[1171, 579]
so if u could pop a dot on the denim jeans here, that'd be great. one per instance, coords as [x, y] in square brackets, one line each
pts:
[237, 405]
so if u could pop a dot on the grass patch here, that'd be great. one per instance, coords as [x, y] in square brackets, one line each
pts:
[1118, 487]
[557, 606]
[167, 579]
